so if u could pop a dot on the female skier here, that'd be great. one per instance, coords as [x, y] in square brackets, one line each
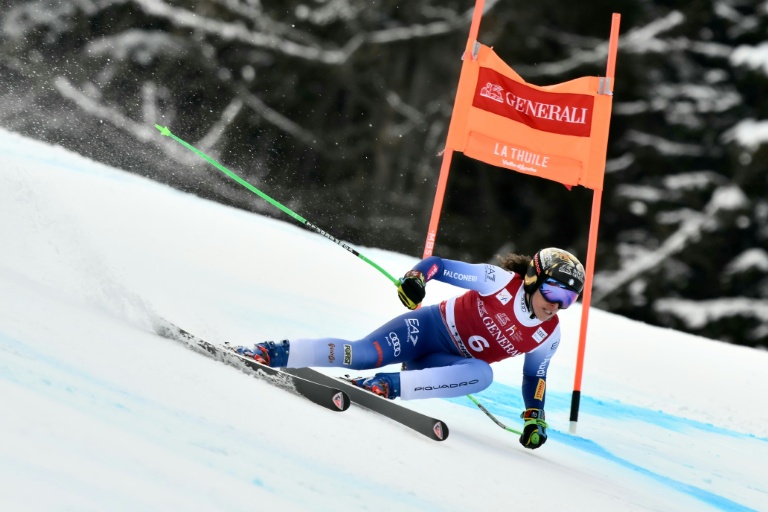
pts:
[445, 349]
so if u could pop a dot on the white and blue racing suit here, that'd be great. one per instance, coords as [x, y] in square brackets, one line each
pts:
[447, 348]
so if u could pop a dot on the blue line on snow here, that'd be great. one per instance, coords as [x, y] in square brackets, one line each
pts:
[506, 402]
[700, 494]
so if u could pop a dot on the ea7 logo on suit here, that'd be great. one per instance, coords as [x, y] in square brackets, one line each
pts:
[413, 330]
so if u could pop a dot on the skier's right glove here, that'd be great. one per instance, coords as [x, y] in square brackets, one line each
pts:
[412, 289]
[535, 430]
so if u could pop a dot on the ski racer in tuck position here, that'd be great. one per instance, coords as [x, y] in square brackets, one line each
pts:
[446, 349]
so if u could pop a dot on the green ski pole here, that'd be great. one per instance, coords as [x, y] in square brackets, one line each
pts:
[165, 131]
[495, 420]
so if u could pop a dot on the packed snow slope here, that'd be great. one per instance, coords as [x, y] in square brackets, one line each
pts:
[99, 413]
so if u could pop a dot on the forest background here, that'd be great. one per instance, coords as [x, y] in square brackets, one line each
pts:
[339, 109]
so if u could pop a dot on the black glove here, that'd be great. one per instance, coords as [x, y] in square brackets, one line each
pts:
[535, 430]
[412, 289]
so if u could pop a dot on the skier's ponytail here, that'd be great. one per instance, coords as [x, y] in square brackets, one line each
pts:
[517, 263]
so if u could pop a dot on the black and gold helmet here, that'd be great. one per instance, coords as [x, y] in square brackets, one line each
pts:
[557, 264]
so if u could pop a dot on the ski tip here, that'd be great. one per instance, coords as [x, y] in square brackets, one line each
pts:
[341, 401]
[439, 431]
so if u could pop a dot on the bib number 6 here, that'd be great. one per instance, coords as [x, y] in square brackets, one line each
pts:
[477, 343]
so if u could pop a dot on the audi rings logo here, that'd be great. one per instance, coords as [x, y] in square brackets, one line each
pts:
[395, 343]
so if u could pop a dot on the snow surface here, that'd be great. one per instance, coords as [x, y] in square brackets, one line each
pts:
[99, 413]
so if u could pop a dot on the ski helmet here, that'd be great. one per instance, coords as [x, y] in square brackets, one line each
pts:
[557, 264]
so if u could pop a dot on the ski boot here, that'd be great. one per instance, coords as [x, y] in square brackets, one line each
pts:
[267, 353]
[386, 385]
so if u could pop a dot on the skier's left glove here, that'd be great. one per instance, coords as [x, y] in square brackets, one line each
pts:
[412, 289]
[535, 430]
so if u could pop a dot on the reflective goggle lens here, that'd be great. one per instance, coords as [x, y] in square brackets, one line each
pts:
[557, 293]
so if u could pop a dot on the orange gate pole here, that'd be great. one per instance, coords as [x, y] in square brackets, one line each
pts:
[592, 245]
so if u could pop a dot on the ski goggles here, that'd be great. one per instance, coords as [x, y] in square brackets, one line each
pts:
[556, 292]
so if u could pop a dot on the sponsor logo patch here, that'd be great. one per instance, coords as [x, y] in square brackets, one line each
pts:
[523, 307]
[540, 335]
[413, 330]
[542, 370]
[540, 388]
[481, 308]
[331, 352]
[490, 273]
[347, 354]
[459, 277]
[379, 352]
[445, 386]
[504, 296]
[562, 113]
[394, 341]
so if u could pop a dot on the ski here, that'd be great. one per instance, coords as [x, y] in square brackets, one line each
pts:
[431, 427]
[328, 395]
